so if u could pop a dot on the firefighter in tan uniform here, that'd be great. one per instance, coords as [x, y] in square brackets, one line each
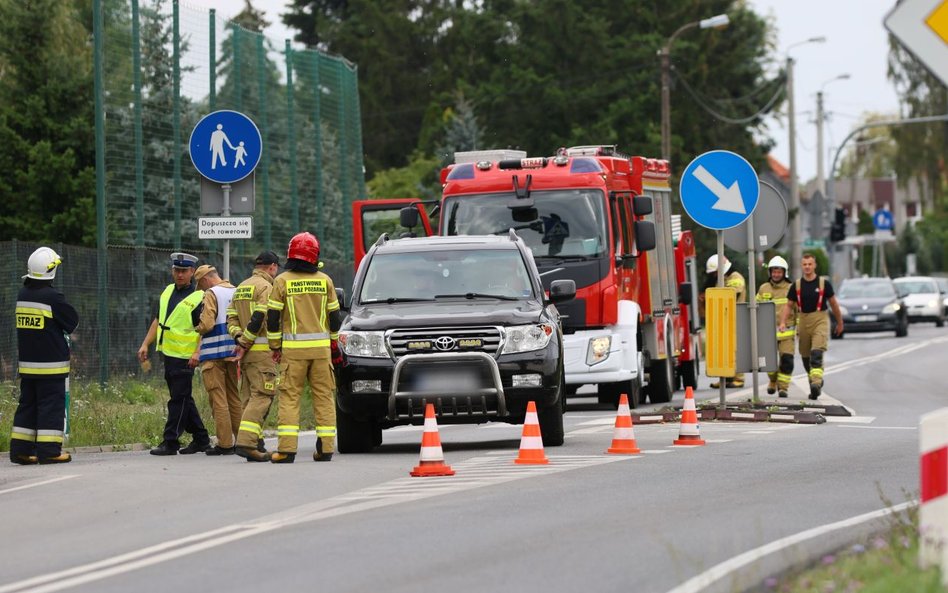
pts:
[245, 322]
[217, 358]
[303, 320]
[811, 294]
[732, 279]
[775, 290]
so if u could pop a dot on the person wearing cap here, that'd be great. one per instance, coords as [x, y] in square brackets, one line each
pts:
[303, 321]
[258, 372]
[173, 329]
[43, 317]
[217, 357]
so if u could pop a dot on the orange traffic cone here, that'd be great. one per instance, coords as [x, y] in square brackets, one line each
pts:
[531, 441]
[623, 437]
[432, 457]
[688, 432]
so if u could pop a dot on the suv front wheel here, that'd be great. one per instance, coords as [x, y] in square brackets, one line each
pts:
[551, 421]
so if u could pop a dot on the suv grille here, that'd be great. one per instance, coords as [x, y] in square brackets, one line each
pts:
[445, 339]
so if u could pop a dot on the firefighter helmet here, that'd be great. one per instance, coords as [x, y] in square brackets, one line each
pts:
[712, 266]
[778, 262]
[304, 246]
[42, 264]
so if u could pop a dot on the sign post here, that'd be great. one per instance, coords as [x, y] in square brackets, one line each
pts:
[225, 147]
[719, 190]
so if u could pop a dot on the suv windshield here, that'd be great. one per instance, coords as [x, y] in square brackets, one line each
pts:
[472, 273]
[854, 290]
[562, 223]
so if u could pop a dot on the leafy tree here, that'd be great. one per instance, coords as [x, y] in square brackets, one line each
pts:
[873, 153]
[47, 147]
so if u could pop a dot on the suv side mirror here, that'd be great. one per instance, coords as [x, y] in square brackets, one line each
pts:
[341, 297]
[562, 290]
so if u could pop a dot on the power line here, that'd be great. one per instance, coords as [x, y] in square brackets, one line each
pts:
[732, 120]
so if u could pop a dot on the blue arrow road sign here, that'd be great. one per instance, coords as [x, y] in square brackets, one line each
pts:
[225, 146]
[719, 189]
[882, 220]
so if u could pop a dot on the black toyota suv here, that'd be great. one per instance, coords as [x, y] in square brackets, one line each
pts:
[461, 322]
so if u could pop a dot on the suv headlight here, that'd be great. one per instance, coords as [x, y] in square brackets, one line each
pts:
[891, 308]
[367, 344]
[524, 338]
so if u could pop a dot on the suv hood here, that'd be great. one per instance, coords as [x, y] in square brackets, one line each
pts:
[443, 312]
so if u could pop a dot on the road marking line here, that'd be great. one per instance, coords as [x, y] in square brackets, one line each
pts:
[721, 571]
[34, 484]
[879, 427]
[851, 419]
[373, 497]
[598, 421]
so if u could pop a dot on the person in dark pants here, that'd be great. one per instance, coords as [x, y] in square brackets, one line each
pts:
[43, 318]
[173, 327]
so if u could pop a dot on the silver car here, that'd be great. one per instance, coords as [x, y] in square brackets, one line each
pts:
[923, 299]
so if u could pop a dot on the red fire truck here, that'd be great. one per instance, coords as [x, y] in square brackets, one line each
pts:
[590, 214]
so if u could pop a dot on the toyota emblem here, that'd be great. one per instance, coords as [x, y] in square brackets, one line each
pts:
[445, 343]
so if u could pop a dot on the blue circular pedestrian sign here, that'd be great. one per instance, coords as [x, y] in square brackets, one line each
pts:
[225, 146]
[719, 189]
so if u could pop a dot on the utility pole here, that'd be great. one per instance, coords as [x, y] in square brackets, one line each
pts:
[820, 175]
[796, 218]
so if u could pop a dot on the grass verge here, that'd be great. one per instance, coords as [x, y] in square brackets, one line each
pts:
[125, 411]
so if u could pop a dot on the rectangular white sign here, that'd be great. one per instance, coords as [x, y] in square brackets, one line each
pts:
[225, 227]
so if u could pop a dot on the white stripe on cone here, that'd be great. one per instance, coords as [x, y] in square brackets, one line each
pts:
[688, 430]
[531, 442]
[432, 454]
[531, 418]
[623, 433]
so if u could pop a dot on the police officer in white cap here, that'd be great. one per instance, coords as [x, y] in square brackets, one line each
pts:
[43, 317]
[173, 326]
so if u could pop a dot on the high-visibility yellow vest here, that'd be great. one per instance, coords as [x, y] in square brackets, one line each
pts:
[176, 335]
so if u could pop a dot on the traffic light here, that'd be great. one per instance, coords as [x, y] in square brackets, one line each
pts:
[838, 228]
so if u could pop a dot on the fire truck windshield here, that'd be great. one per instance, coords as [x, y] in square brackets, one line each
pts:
[561, 223]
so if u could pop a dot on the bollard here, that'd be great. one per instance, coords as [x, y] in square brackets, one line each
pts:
[933, 503]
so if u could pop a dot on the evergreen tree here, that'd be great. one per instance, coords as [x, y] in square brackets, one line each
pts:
[47, 147]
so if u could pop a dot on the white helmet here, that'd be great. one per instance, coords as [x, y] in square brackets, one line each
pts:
[712, 266]
[42, 264]
[778, 262]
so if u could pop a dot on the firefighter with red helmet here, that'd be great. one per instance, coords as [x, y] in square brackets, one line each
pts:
[775, 290]
[43, 318]
[303, 321]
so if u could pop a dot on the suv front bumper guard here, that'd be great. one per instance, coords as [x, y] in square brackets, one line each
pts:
[488, 360]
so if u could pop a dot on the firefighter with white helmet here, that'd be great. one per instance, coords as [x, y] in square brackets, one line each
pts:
[43, 318]
[732, 279]
[775, 290]
[303, 321]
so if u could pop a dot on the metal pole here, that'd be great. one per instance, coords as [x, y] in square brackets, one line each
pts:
[226, 189]
[98, 24]
[796, 222]
[212, 59]
[291, 137]
[720, 284]
[820, 175]
[141, 298]
[318, 123]
[176, 122]
[265, 157]
[752, 303]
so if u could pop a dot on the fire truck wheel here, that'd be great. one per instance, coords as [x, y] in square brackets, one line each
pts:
[354, 435]
[660, 381]
[609, 393]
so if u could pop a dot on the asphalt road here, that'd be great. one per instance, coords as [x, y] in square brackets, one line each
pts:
[587, 521]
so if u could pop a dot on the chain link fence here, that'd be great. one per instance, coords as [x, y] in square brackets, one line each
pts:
[161, 66]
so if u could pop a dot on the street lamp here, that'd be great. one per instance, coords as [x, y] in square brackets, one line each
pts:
[796, 223]
[716, 22]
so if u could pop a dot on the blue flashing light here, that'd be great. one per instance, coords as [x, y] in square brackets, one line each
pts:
[585, 165]
[465, 171]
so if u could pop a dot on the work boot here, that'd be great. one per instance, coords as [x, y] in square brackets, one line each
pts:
[61, 458]
[279, 457]
[735, 384]
[218, 450]
[815, 390]
[23, 459]
[261, 446]
[318, 454]
[782, 393]
[195, 447]
[251, 454]
[165, 448]
[771, 388]
[715, 385]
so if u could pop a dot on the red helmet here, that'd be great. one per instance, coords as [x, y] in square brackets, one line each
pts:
[304, 246]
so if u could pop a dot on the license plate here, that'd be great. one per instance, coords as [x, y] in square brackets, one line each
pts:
[446, 382]
[866, 317]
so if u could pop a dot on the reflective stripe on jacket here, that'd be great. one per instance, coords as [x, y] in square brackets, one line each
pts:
[217, 343]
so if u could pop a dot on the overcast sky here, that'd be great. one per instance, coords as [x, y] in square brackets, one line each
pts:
[857, 44]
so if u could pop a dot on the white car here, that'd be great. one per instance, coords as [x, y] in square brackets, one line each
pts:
[943, 285]
[923, 299]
